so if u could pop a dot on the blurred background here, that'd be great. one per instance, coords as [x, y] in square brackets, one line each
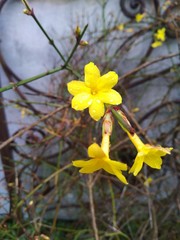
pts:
[41, 195]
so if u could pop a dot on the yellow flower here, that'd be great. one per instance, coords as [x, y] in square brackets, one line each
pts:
[156, 44]
[148, 181]
[151, 155]
[120, 27]
[94, 91]
[139, 17]
[100, 160]
[160, 35]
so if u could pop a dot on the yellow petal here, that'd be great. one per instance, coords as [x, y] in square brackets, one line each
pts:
[81, 101]
[120, 27]
[111, 97]
[156, 44]
[92, 74]
[163, 151]
[79, 163]
[138, 164]
[120, 176]
[76, 87]
[107, 167]
[96, 109]
[95, 151]
[88, 166]
[160, 35]
[118, 165]
[107, 81]
[90, 169]
[139, 17]
[158, 150]
[153, 161]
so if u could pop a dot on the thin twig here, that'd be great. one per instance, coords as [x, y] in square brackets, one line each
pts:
[18, 134]
[92, 208]
[30, 12]
[152, 211]
[66, 66]
[144, 65]
[54, 174]
[28, 80]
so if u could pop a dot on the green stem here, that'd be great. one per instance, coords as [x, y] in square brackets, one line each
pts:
[66, 62]
[26, 4]
[22, 82]
[66, 66]
[75, 46]
[51, 41]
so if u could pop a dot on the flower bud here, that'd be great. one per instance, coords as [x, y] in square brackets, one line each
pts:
[83, 43]
[44, 237]
[27, 12]
[107, 123]
[77, 32]
[123, 121]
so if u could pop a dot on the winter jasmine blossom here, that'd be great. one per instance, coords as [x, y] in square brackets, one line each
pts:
[149, 154]
[100, 160]
[156, 44]
[160, 37]
[94, 91]
[120, 27]
[139, 17]
[100, 155]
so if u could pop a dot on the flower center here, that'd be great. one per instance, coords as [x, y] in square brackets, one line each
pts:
[93, 92]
